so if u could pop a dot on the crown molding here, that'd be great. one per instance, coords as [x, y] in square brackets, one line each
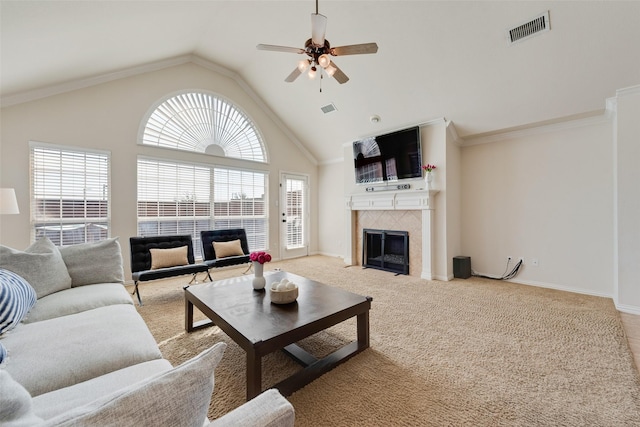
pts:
[628, 91]
[570, 122]
[33, 95]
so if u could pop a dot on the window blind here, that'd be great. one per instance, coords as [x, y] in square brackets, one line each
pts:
[70, 194]
[202, 122]
[182, 198]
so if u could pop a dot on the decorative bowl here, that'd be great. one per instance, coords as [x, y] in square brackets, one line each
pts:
[283, 297]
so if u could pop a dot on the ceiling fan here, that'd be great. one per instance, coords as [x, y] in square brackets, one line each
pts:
[318, 49]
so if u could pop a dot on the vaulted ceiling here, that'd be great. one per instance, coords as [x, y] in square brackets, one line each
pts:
[435, 59]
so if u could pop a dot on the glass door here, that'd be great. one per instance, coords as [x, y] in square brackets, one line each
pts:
[294, 215]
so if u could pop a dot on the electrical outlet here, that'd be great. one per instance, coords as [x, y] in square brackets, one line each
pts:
[534, 262]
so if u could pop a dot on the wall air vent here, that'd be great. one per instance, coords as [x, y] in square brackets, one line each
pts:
[328, 108]
[537, 25]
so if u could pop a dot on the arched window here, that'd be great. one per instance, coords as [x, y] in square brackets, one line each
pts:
[205, 123]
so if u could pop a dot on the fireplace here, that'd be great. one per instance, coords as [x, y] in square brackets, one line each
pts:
[386, 250]
[410, 210]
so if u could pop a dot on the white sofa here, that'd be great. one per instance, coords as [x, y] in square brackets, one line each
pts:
[82, 355]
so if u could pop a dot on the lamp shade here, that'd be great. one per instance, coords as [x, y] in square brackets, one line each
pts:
[8, 201]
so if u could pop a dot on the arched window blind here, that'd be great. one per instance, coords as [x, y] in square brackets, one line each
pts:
[204, 123]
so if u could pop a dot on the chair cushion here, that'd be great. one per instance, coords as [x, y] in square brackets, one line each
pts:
[182, 397]
[227, 249]
[16, 299]
[172, 257]
[81, 261]
[40, 264]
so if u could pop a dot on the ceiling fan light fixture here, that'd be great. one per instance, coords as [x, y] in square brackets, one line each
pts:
[330, 69]
[312, 72]
[303, 65]
[324, 61]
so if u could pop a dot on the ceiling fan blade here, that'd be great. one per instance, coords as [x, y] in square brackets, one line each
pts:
[354, 49]
[338, 74]
[318, 28]
[279, 48]
[294, 75]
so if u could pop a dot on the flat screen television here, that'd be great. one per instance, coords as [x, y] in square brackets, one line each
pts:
[388, 158]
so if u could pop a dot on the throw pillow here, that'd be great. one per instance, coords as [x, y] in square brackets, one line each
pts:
[227, 249]
[95, 262]
[40, 264]
[181, 395]
[161, 258]
[16, 406]
[16, 299]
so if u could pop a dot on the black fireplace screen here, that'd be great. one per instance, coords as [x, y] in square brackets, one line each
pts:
[386, 250]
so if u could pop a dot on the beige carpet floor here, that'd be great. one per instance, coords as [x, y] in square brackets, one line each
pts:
[472, 352]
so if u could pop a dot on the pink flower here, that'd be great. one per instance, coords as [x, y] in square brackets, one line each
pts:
[260, 257]
[428, 167]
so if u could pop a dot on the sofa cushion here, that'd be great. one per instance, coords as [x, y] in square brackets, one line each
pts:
[227, 249]
[16, 408]
[95, 262]
[179, 397]
[172, 257]
[40, 264]
[16, 299]
[56, 402]
[3, 354]
[67, 350]
[76, 300]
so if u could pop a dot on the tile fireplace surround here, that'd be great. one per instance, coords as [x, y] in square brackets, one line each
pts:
[403, 210]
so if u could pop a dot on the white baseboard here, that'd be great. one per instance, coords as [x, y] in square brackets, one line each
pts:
[560, 288]
[630, 309]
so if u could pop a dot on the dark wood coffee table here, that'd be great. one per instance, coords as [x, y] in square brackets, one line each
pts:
[249, 318]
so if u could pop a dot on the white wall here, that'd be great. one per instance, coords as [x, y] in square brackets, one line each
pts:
[544, 193]
[331, 209]
[627, 203]
[108, 117]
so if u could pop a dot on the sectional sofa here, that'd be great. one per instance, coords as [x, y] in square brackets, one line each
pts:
[75, 351]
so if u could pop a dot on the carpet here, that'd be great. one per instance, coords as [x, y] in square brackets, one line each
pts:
[473, 352]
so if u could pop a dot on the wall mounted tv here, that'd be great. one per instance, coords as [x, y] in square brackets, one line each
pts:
[390, 157]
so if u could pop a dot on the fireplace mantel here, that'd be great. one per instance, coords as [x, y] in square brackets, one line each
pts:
[392, 200]
[400, 200]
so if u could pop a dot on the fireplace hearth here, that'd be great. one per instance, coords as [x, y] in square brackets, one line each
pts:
[386, 250]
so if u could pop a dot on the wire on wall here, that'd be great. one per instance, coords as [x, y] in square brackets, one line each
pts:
[506, 275]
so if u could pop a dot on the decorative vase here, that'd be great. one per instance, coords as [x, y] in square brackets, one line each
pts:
[258, 279]
[428, 178]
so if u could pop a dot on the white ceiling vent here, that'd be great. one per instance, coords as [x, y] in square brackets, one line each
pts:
[328, 108]
[528, 29]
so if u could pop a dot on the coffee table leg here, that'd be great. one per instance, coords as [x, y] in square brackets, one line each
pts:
[363, 330]
[188, 315]
[254, 375]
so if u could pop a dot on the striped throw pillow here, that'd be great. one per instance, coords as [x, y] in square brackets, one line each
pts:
[17, 297]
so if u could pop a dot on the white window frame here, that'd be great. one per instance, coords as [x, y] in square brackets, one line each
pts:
[201, 198]
[78, 181]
